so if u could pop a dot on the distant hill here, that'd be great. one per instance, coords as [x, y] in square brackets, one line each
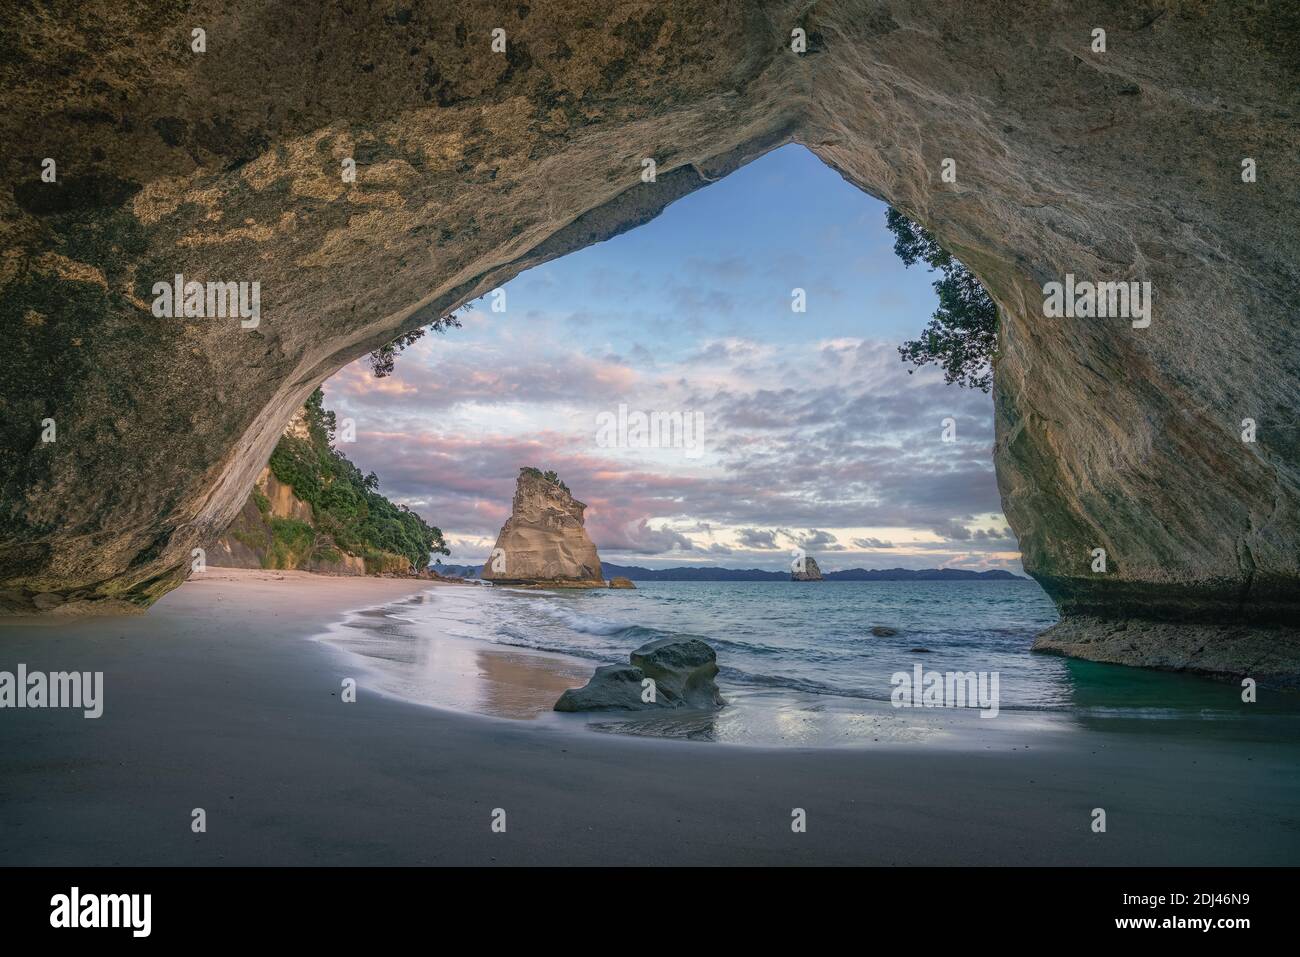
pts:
[711, 574]
[458, 571]
[921, 575]
[707, 574]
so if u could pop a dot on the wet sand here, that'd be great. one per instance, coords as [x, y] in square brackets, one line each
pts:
[215, 700]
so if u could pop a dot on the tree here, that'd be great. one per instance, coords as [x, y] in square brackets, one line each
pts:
[384, 358]
[961, 337]
[321, 422]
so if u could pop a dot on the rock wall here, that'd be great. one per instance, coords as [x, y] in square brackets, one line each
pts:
[544, 541]
[473, 165]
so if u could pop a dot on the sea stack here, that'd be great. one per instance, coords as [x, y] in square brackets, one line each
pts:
[543, 542]
[810, 573]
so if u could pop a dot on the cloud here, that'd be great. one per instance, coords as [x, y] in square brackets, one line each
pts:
[953, 531]
[872, 543]
[641, 538]
[816, 538]
[758, 538]
[468, 375]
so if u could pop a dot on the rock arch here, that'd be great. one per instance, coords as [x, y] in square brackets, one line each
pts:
[473, 165]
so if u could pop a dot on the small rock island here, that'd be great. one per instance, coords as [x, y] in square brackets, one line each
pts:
[810, 573]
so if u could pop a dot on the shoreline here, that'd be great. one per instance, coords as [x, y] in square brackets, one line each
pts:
[214, 700]
[521, 683]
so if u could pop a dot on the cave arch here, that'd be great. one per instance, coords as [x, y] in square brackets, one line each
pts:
[473, 165]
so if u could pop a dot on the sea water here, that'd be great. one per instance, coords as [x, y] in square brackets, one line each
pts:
[798, 662]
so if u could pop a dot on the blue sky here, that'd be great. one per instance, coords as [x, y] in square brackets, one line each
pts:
[809, 431]
[722, 262]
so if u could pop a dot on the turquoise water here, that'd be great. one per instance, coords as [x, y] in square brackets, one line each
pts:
[798, 663]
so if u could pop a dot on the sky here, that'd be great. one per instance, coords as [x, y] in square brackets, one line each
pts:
[774, 429]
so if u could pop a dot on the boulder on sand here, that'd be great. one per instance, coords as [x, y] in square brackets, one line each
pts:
[611, 688]
[682, 669]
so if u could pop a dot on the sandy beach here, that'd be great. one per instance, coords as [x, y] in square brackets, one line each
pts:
[215, 699]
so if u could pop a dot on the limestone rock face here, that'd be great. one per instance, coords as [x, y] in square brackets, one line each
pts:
[810, 573]
[682, 669]
[544, 541]
[473, 166]
[1266, 654]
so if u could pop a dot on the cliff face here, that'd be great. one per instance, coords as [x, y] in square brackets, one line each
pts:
[543, 540]
[473, 165]
[274, 529]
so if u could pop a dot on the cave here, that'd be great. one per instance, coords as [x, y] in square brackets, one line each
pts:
[372, 171]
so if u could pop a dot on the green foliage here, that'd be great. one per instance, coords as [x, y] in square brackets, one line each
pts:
[327, 554]
[291, 541]
[345, 504]
[548, 476]
[961, 337]
[321, 421]
[252, 539]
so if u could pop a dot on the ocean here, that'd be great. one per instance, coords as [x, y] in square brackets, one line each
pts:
[798, 662]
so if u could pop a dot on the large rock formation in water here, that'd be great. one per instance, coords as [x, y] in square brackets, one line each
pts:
[544, 541]
[472, 164]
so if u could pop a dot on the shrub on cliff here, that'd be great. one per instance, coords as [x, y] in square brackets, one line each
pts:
[345, 503]
[961, 336]
[547, 476]
[383, 359]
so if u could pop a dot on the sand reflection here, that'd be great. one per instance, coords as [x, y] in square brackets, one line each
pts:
[521, 685]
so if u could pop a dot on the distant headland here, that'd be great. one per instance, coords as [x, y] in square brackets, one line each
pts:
[713, 574]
